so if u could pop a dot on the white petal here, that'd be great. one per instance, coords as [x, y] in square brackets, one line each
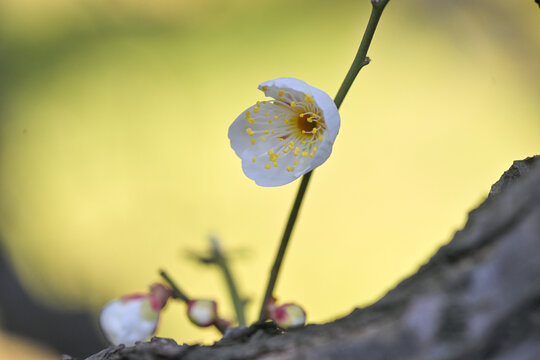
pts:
[264, 130]
[242, 143]
[122, 322]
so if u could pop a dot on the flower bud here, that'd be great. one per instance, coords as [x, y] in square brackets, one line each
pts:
[202, 312]
[288, 316]
[133, 317]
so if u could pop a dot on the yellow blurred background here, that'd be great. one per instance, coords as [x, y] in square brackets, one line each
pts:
[114, 157]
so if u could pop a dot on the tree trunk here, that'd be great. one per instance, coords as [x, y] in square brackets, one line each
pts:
[477, 298]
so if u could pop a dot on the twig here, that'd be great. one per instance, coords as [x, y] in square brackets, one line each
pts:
[359, 62]
[221, 262]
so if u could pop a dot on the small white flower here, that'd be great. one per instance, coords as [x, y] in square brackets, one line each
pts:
[280, 140]
[133, 317]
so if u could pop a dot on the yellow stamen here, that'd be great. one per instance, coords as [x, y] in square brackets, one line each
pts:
[296, 162]
[263, 139]
[305, 153]
[293, 104]
[308, 98]
[269, 121]
[275, 164]
[254, 159]
[265, 132]
[281, 92]
[253, 141]
[268, 166]
[275, 117]
[265, 114]
[250, 132]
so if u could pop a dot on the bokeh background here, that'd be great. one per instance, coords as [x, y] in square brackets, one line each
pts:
[114, 157]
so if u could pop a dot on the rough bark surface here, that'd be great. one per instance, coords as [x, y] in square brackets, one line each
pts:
[477, 298]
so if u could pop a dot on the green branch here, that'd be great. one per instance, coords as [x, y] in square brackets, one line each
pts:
[359, 62]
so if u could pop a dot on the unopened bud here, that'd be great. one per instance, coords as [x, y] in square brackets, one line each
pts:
[202, 312]
[288, 315]
[133, 317]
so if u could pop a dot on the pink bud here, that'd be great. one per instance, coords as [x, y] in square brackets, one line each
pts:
[288, 315]
[202, 312]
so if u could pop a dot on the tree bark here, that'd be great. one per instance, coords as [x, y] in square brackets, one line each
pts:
[477, 298]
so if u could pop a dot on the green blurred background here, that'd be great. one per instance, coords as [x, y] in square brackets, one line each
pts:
[114, 157]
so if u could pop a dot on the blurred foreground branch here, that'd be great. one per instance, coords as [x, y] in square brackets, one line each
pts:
[477, 298]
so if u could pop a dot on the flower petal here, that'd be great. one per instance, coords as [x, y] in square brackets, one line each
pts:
[282, 139]
[128, 321]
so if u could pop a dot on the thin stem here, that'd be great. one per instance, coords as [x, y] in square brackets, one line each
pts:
[221, 262]
[284, 241]
[359, 62]
[177, 292]
[360, 59]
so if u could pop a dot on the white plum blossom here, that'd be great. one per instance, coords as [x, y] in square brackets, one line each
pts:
[281, 139]
[134, 317]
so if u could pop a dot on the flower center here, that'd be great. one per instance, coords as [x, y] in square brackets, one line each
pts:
[306, 122]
